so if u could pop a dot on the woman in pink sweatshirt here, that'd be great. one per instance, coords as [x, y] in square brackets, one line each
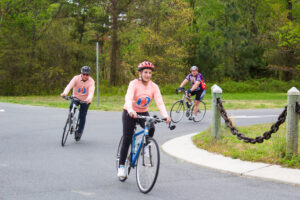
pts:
[139, 94]
[83, 89]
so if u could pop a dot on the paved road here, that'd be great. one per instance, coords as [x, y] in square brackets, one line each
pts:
[33, 165]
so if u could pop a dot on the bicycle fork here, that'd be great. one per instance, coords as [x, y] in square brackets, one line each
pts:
[146, 151]
[74, 117]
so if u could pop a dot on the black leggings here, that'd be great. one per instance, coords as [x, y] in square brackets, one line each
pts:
[129, 125]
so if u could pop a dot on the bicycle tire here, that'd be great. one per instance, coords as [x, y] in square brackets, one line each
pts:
[201, 112]
[147, 167]
[177, 111]
[127, 162]
[66, 131]
[76, 129]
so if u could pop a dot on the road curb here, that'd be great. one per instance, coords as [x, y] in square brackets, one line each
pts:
[184, 149]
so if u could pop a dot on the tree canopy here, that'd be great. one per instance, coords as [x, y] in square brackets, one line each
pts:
[43, 43]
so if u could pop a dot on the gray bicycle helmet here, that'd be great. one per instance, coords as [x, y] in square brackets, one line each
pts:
[194, 68]
[85, 70]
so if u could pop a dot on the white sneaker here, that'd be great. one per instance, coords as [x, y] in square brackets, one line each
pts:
[121, 172]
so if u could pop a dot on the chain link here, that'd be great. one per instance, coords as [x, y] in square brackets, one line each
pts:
[259, 139]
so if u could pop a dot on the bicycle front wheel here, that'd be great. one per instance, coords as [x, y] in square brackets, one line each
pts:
[177, 111]
[127, 162]
[66, 131]
[200, 113]
[148, 166]
[76, 129]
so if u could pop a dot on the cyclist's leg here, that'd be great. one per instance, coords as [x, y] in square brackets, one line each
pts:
[82, 117]
[199, 96]
[71, 104]
[197, 101]
[128, 130]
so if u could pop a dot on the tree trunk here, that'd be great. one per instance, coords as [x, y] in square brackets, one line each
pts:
[289, 8]
[289, 54]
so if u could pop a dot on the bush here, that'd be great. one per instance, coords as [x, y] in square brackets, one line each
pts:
[258, 85]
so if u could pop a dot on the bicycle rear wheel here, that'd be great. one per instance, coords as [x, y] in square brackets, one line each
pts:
[66, 131]
[201, 112]
[127, 162]
[177, 111]
[148, 166]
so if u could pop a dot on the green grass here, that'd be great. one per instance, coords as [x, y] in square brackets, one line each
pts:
[271, 151]
[115, 103]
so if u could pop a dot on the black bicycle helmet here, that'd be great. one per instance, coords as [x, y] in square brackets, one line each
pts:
[85, 70]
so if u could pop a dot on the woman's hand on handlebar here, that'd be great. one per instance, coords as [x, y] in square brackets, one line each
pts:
[168, 120]
[133, 114]
[88, 100]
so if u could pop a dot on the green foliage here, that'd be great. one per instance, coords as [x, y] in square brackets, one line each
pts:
[258, 85]
[43, 43]
[291, 162]
[289, 36]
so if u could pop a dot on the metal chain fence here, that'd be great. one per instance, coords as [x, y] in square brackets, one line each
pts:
[267, 135]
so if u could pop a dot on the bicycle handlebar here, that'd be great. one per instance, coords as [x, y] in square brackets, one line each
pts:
[74, 98]
[185, 94]
[180, 90]
[156, 120]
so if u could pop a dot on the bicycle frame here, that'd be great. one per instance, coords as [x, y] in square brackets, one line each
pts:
[135, 154]
[185, 99]
[73, 113]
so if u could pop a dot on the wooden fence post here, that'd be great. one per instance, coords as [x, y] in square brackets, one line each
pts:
[292, 123]
[216, 116]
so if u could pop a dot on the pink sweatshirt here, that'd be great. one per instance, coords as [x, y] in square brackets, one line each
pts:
[81, 89]
[139, 96]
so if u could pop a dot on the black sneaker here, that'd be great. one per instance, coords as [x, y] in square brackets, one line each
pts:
[77, 136]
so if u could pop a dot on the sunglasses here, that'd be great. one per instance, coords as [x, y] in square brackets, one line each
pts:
[85, 74]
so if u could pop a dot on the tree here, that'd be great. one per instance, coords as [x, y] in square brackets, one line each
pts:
[22, 27]
[117, 10]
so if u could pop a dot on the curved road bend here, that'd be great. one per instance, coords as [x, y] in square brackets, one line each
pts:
[33, 165]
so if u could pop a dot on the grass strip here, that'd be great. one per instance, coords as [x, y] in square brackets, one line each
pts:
[271, 151]
[115, 103]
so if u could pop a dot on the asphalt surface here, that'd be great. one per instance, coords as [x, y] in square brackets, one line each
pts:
[33, 165]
